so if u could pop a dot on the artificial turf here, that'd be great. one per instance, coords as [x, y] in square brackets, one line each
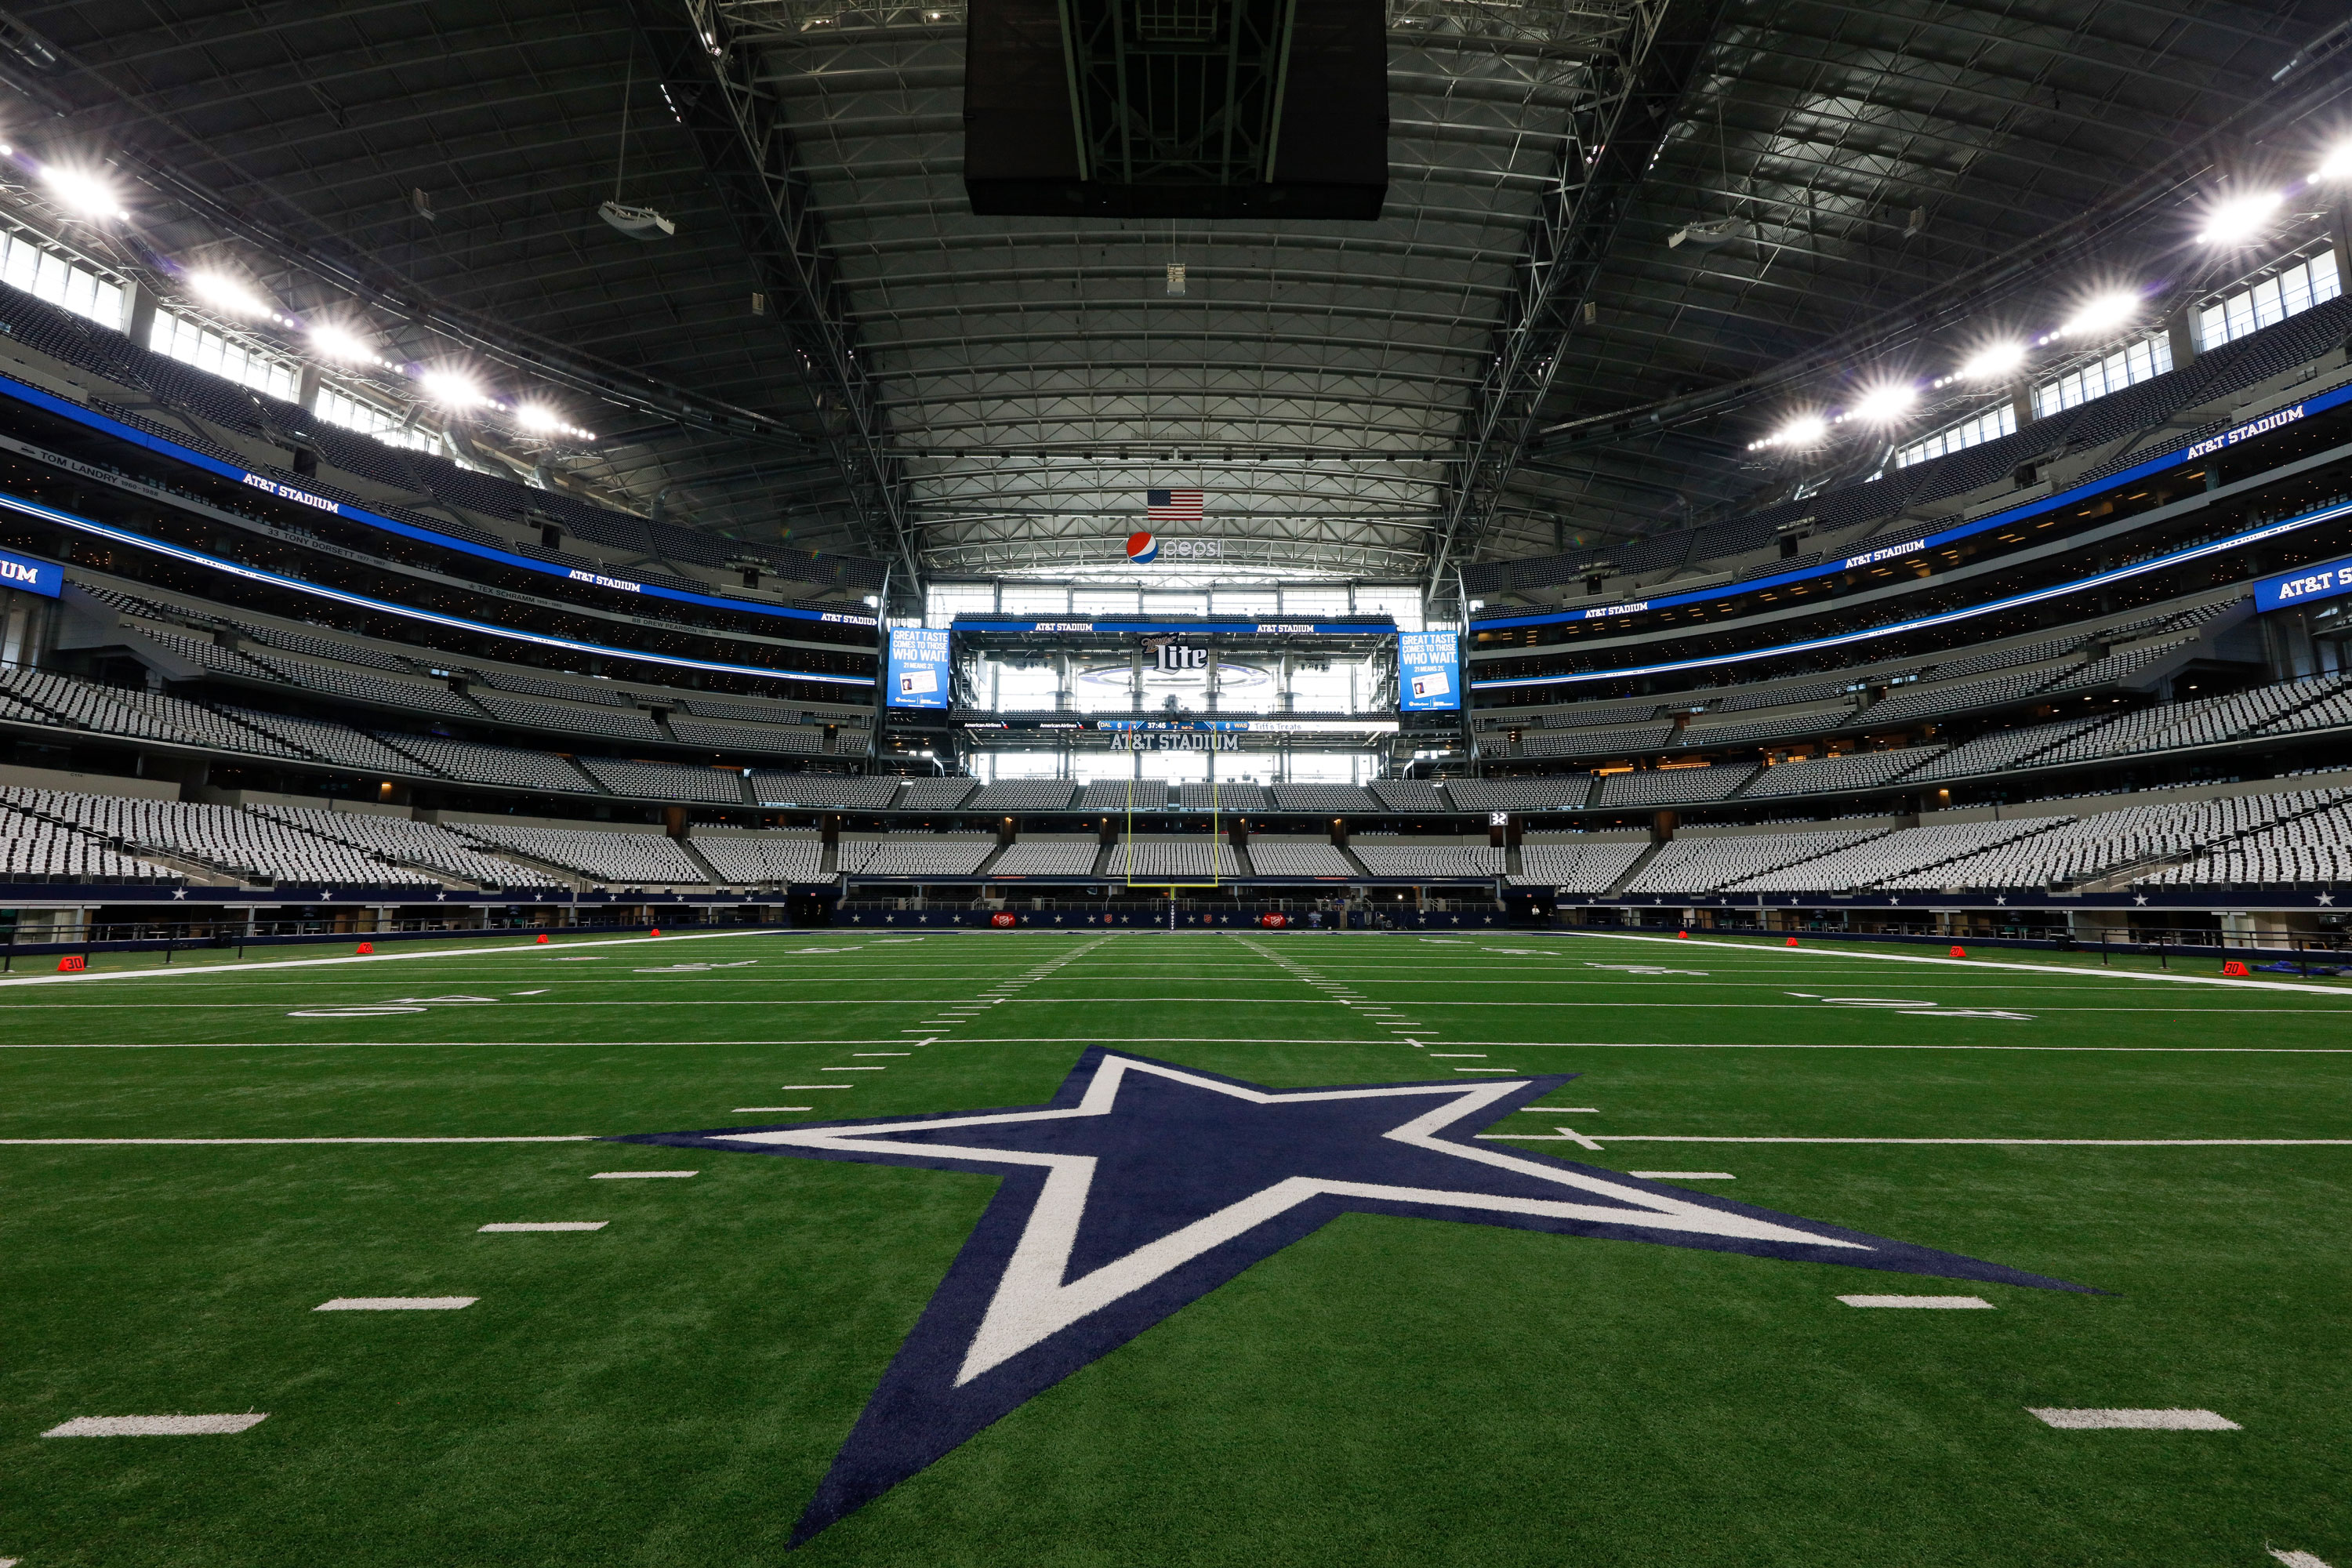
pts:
[669, 1390]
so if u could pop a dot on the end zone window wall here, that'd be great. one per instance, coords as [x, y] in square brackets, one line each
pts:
[2129, 366]
[200, 346]
[2288, 293]
[46, 274]
[369, 420]
[1989, 426]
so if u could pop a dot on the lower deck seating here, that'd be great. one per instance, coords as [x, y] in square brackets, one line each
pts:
[768, 858]
[1690, 864]
[2312, 849]
[1292, 857]
[35, 850]
[1183, 860]
[256, 848]
[2096, 843]
[1877, 860]
[1576, 868]
[1450, 860]
[1033, 858]
[914, 858]
[633, 859]
[407, 842]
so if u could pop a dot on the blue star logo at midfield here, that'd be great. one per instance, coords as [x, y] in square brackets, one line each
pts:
[1142, 1187]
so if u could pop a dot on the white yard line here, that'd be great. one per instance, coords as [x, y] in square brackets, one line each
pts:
[522, 950]
[2043, 969]
[2134, 1420]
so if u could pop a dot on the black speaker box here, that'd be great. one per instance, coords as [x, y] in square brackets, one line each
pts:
[1020, 117]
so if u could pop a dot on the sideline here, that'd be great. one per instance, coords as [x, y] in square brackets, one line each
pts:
[85, 1142]
[232, 967]
[1677, 941]
[1595, 1140]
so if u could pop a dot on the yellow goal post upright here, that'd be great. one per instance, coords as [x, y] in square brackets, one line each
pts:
[1216, 836]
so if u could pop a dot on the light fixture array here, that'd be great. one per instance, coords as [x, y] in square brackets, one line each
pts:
[2234, 218]
[92, 196]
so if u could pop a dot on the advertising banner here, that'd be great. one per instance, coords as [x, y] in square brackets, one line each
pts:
[30, 574]
[1429, 672]
[919, 668]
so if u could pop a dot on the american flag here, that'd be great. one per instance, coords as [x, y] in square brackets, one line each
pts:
[1172, 506]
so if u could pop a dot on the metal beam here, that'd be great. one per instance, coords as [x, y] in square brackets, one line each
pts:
[1600, 168]
[710, 76]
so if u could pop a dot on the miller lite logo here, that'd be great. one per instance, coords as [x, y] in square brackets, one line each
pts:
[1176, 655]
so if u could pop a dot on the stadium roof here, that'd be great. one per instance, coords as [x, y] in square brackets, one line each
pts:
[1622, 239]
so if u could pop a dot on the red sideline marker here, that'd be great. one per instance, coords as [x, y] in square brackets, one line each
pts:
[1959, 952]
[365, 948]
[73, 966]
[542, 937]
[657, 931]
[1792, 941]
[1681, 936]
[2232, 967]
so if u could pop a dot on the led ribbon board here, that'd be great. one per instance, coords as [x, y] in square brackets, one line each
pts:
[300, 497]
[1382, 628]
[2275, 419]
[384, 607]
[2057, 591]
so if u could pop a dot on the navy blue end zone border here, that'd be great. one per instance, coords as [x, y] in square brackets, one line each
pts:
[1142, 1185]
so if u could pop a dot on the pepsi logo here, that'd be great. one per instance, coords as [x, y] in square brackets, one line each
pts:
[1141, 547]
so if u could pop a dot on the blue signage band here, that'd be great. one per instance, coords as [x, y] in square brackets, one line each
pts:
[284, 491]
[384, 607]
[30, 574]
[2290, 589]
[2276, 419]
[2156, 563]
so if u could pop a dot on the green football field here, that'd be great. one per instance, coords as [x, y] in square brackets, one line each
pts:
[196, 1159]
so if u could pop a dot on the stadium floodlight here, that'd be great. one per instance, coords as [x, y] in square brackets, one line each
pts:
[336, 343]
[2100, 315]
[2241, 218]
[86, 194]
[1994, 362]
[451, 390]
[538, 417]
[1804, 430]
[1886, 403]
[226, 293]
[2336, 166]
